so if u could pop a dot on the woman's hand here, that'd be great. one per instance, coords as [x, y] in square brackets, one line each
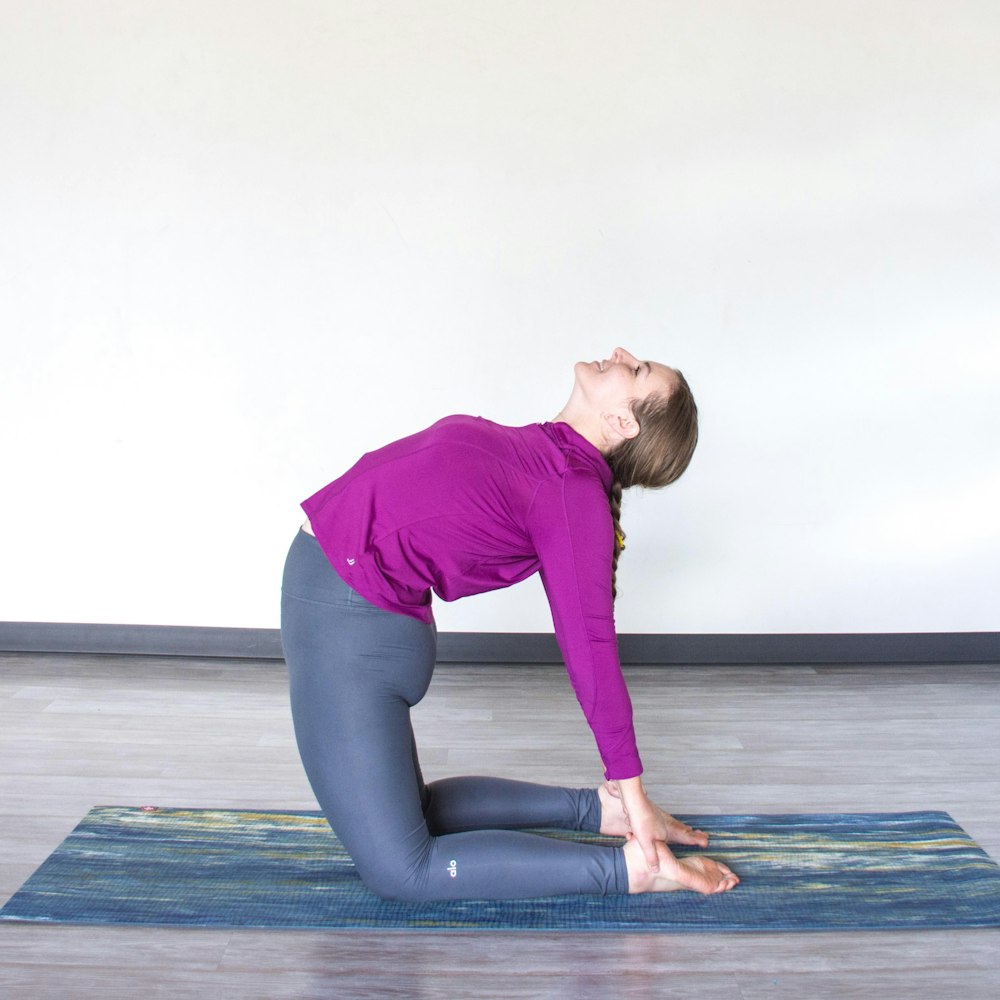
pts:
[615, 819]
[649, 828]
[643, 821]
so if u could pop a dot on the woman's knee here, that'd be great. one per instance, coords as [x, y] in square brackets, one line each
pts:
[402, 870]
[395, 882]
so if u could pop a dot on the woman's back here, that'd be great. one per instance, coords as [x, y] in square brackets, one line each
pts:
[456, 509]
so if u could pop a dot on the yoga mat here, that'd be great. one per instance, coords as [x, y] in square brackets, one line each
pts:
[227, 868]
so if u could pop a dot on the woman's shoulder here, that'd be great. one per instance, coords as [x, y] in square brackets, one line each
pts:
[489, 434]
[542, 451]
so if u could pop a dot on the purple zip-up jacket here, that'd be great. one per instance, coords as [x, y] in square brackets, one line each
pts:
[468, 506]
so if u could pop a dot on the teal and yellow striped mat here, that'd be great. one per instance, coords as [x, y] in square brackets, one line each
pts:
[228, 868]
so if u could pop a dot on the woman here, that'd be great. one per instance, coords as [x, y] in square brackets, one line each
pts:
[464, 507]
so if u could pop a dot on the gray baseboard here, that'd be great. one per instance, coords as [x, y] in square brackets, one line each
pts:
[524, 647]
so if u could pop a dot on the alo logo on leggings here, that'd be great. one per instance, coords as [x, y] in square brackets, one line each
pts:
[453, 868]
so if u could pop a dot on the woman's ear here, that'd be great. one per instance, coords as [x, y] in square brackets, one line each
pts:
[619, 426]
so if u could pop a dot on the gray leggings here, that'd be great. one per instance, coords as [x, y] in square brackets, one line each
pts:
[355, 671]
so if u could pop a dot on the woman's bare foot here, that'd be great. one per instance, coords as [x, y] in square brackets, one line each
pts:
[695, 872]
[615, 824]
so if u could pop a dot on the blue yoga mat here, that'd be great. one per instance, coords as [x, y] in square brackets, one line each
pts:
[230, 868]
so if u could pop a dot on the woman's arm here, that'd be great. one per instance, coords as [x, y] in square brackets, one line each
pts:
[570, 526]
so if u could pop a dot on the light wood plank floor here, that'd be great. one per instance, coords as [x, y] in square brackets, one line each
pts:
[76, 731]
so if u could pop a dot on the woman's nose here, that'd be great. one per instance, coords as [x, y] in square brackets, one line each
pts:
[620, 356]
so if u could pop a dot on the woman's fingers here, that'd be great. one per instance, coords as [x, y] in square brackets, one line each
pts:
[651, 851]
[666, 857]
[612, 789]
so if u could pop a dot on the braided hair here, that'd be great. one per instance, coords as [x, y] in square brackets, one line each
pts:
[656, 456]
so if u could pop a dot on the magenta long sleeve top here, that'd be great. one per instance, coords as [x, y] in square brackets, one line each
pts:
[467, 506]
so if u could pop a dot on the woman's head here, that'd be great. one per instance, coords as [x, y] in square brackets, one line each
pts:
[643, 418]
[662, 448]
[639, 414]
[604, 393]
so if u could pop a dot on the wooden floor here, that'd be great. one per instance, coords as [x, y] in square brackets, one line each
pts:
[76, 731]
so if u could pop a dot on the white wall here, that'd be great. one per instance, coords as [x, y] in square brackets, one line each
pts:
[241, 243]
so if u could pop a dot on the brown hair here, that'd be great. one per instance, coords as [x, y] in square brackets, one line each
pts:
[657, 455]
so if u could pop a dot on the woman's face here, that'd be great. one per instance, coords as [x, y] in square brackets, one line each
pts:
[618, 381]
